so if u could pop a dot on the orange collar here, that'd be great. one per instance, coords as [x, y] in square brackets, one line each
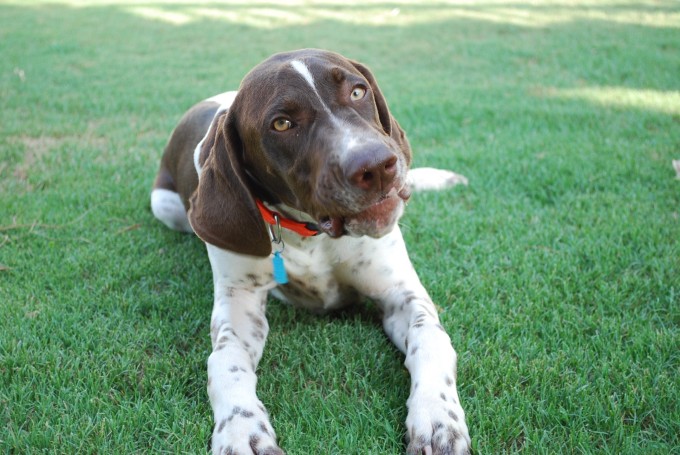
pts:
[299, 227]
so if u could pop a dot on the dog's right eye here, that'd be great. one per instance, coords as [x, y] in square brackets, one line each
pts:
[282, 124]
[358, 93]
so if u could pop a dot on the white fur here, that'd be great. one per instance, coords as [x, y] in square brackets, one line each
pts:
[428, 178]
[197, 155]
[225, 101]
[167, 206]
[238, 329]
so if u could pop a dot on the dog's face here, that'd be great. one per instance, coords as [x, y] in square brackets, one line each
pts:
[310, 129]
[317, 135]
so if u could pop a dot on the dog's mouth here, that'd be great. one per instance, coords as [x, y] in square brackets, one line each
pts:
[375, 220]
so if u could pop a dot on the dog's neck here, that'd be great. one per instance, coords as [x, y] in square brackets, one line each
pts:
[277, 221]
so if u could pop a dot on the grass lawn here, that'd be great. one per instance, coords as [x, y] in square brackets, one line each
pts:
[557, 269]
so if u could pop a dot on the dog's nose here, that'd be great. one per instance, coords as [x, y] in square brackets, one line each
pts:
[372, 171]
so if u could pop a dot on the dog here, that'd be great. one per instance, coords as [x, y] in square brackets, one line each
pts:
[295, 183]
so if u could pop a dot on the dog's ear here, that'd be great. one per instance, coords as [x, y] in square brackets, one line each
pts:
[388, 122]
[222, 209]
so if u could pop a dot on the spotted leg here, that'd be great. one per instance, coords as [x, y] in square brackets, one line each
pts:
[436, 421]
[238, 331]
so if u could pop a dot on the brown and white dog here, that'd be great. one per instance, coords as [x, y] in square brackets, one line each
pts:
[295, 183]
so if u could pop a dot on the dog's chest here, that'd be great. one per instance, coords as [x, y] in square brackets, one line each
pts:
[313, 266]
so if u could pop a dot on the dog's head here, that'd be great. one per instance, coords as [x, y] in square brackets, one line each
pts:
[309, 129]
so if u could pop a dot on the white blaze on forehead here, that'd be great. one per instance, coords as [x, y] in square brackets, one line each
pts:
[301, 68]
[349, 140]
[304, 71]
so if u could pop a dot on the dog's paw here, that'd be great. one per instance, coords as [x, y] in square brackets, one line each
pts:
[428, 178]
[436, 425]
[244, 430]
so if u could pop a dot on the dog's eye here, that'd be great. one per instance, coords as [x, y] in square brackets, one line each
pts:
[358, 92]
[282, 124]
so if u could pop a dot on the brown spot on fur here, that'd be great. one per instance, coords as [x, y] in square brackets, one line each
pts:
[259, 322]
[253, 441]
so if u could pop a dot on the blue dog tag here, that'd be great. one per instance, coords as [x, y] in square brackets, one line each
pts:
[280, 275]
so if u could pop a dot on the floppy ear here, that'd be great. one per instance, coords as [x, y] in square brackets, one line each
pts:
[222, 209]
[389, 123]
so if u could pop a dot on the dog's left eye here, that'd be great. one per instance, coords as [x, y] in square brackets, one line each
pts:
[358, 93]
[282, 124]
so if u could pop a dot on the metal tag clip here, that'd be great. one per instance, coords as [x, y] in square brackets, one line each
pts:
[279, 269]
[275, 232]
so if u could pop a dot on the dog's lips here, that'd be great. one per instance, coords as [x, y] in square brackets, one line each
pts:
[373, 220]
[404, 193]
[334, 226]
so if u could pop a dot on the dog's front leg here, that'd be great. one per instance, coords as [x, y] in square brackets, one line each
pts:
[436, 421]
[238, 331]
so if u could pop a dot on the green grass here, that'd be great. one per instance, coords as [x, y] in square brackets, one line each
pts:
[557, 270]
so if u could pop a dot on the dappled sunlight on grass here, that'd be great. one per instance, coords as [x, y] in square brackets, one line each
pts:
[666, 102]
[411, 13]
[170, 17]
[268, 14]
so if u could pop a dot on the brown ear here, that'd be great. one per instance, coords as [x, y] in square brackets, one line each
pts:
[389, 123]
[222, 209]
